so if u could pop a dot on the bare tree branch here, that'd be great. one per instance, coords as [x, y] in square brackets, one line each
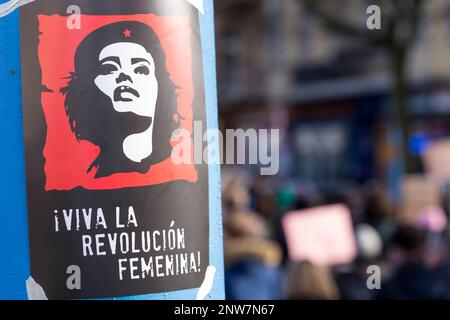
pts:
[336, 24]
[400, 25]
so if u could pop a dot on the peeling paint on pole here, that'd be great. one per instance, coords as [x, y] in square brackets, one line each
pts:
[8, 7]
[83, 216]
[198, 4]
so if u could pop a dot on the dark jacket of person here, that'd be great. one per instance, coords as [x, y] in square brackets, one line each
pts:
[252, 270]
[412, 281]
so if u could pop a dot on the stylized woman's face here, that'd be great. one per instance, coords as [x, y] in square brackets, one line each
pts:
[127, 77]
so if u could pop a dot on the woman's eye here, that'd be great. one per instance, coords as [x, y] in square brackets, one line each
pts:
[107, 69]
[142, 70]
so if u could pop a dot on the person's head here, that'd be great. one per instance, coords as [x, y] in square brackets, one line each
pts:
[306, 281]
[369, 242]
[246, 224]
[377, 207]
[120, 88]
[406, 244]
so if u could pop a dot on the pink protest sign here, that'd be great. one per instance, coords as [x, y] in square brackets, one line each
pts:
[323, 235]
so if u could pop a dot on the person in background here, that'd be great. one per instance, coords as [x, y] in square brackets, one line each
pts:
[442, 272]
[306, 281]
[351, 279]
[235, 194]
[252, 260]
[378, 212]
[411, 278]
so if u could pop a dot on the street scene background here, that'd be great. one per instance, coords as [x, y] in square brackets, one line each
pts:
[359, 208]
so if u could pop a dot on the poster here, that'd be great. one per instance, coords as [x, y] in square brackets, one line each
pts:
[104, 93]
[420, 193]
[322, 235]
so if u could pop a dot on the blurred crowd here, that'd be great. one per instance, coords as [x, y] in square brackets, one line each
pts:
[395, 259]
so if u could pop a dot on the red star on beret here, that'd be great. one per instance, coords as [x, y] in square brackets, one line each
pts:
[127, 33]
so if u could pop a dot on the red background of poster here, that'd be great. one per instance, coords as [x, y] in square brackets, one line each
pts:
[67, 159]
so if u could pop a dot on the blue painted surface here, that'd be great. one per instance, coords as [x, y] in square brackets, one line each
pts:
[215, 200]
[14, 264]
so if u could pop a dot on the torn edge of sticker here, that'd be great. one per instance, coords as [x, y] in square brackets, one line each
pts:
[34, 290]
[8, 7]
[207, 284]
[198, 4]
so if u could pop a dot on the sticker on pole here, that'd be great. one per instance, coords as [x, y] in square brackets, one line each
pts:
[104, 90]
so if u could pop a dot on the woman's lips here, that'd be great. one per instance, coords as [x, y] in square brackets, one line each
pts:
[121, 92]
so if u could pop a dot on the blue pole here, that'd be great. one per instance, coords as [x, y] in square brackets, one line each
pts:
[14, 242]
[15, 266]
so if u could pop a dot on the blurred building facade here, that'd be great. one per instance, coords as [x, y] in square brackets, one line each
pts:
[330, 94]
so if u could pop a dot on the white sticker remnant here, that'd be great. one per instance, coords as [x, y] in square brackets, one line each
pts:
[35, 291]
[198, 4]
[8, 7]
[207, 284]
